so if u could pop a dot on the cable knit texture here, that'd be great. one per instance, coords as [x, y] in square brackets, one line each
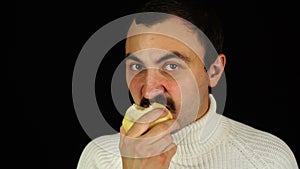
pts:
[213, 142]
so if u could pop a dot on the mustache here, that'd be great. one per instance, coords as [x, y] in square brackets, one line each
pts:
[168, 102]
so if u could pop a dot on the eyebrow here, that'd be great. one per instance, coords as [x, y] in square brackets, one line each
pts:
[173, 54]
[132, 57]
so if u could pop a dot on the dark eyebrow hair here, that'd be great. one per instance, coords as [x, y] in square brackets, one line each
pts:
[174, 54]
[133, 57]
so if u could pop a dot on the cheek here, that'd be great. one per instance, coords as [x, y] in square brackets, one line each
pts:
[192, 86]
[173, 89]
[201, 78]
[135, 88]
[188, 88]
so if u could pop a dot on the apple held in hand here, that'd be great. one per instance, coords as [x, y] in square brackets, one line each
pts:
[135, 112]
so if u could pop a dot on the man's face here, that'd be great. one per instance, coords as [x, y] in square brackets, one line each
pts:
[158, 65]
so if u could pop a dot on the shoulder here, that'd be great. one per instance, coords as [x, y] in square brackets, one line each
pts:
[100, 152]
[264, 146]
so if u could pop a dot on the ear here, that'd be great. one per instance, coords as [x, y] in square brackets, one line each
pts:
[216, 69]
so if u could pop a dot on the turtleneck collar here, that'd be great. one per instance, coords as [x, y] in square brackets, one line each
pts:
[200, 135]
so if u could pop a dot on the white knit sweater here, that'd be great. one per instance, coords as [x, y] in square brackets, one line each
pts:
[213, 142]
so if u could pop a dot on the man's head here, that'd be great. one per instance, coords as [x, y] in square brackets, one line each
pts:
[200, 13]
[166, 56]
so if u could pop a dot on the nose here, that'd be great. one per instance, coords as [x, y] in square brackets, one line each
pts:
[153, 84]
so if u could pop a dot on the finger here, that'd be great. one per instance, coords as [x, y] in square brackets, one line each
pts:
[152, 115]
[122, 130]
[142, 125]
[145, 147]
[137, 129]
[122, 134]
[161, 145]
[162, 129]
[170, 150]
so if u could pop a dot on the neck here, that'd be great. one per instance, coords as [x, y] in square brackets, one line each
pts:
[201, 134]
[204, 108]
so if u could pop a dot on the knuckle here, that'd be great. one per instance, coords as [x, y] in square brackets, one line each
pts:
[163, 158]
[176, 124]
[126, 141]
[168, 138]
[164, 126]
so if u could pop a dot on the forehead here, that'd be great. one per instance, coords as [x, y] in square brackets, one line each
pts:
[151, 42]
[171, 34]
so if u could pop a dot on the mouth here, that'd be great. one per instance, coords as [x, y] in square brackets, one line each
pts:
[168, 107]
[167, 102]
[171, 110]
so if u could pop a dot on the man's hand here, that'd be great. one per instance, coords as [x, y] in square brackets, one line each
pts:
[144, 147]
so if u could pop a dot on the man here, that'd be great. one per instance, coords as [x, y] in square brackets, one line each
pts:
[171, 62]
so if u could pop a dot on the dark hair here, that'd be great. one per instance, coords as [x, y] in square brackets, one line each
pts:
[199, 13]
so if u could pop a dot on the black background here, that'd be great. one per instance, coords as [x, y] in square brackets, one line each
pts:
[49, 36]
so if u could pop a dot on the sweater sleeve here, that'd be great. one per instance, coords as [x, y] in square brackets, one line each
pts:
[101, 153]
[89, 157]
[262, 146]
[275, 152]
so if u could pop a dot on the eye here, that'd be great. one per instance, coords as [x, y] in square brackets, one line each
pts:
[171, 67]
[136, 67]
